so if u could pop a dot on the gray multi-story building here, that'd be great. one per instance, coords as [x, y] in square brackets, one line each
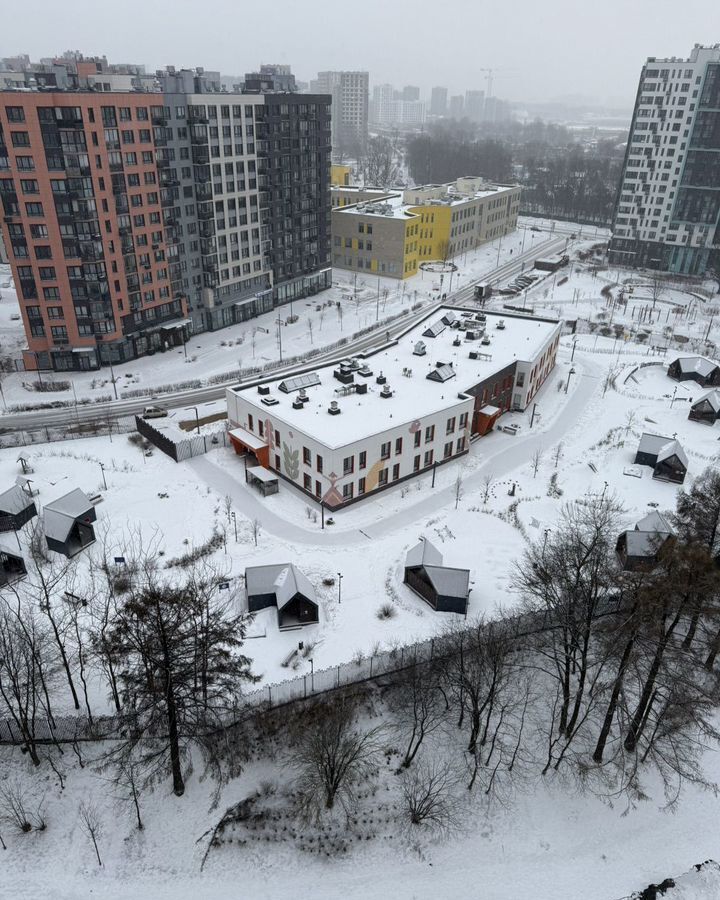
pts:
[438, 101]
[475, 105]
[457, 107]
[667, 213]
[249, 181]
[350, 94]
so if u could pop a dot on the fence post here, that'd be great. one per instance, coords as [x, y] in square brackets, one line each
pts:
[270, 695]
[338, 676]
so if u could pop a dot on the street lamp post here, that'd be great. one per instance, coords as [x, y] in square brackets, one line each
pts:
[567, 384]
[673, 397]
[102, 469]
[112, 377]
[572, 355]
[340, 578]
[197, 418]
[234, 518]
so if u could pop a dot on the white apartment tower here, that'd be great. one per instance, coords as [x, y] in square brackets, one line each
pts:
[667, 215]
[350, 94]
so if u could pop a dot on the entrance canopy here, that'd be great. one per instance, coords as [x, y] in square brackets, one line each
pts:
[248, 440]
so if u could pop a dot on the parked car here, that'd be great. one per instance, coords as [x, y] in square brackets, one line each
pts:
[535, 228]
[154, 412]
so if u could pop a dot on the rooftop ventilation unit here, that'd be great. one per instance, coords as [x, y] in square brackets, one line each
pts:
[381, 379]
[420, 349]
[298, 404]
[361, 388]
[386, 393]
[501, 325]
[486, 340]
[302, 396]
[344, 374]
[270, 401]
[365, 371]
[334, 409]
[263, 389]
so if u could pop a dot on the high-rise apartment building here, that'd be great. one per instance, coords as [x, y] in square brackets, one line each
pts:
[667, 214]
[350, 96]
[438, 101]
[410, 93]
[475, 105]
[134, 218]
[388, 108]
[457, 107]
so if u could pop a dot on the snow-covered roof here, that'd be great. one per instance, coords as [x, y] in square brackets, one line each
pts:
[644, 543]
[700, 365]
[248, 438]
[292, 581]
[653, 443]
[9, 547]
[262, 474]
[656, 522]
[712, 398]
[673, 449]
[283, 580]
[449, 582]
[14, 500]
[60, 515]
[423, 554]
[413, 395]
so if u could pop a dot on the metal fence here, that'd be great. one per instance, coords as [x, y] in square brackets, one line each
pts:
[361, 669]
[43, 434]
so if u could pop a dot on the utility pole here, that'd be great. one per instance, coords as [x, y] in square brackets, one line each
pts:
[340, 578]
[279, 325]
[532, 417]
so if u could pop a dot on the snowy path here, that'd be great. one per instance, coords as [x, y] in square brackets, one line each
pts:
[501, 455]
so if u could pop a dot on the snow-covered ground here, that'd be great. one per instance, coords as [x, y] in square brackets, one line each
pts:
[549, 841]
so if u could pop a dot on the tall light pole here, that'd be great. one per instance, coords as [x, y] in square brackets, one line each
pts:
[567, 384]
[234, 518]
[102, 469]
[340, 578]
[197, 418]
[112, 376]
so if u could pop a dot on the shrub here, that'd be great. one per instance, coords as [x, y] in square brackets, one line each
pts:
[386, 611]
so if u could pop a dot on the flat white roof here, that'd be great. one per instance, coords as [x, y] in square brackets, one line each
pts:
[414, 396]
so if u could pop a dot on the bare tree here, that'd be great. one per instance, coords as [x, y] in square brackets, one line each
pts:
[487, 484]
[179, 665]
[91, 824]
[127, 782]
[429, 795]
[333, 756]
[255, 527]
[658, 286]
[419, 707]
[23, 681]
[310, 325]
[20, 807]
[557, 455]
[535, 460]
[458, 487]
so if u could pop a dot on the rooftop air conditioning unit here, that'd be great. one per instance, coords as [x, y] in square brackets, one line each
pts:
[501, 324]
[263, 389]
[381, 379]
[361, 388]
[302, 396]
[334, 409]
[298, 404]
[420, 349]
[385, 393]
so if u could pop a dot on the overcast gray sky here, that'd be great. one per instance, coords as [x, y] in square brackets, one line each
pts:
[542, 49]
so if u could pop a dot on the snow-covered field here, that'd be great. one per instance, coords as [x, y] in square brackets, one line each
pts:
[548, 842]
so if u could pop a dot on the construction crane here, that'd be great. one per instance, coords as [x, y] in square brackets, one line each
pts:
[489, 78]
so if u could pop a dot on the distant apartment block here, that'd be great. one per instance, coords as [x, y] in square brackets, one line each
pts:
[390, 108]
[134, 218]
[393, 233]
[667, 214]
[438, 101]
[350, 97]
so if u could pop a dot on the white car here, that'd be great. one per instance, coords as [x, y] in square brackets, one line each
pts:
[154, 412]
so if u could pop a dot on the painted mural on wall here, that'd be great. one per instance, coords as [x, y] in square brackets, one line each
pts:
[291, 462]
[332, 496]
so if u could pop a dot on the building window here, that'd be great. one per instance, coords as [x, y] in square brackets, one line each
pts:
[463, 421]
[250, 422]
[396, 471]
[398, 446]
[348, 491]
[319, 463]
[349, 465]
[361, 486]
[428, 458]
[385, 450]
[460, 446]
[382, 477]
[307, 456]
[277, 438]
[429, 434]
[261, 427]
[307, 482]
[447, 450]
[418, 438]
[450, 427]
[362, 459]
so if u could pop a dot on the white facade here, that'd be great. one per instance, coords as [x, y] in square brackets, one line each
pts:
[376, 440]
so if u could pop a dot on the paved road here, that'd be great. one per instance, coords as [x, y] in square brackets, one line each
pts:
[99, 412]
[501, 454]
